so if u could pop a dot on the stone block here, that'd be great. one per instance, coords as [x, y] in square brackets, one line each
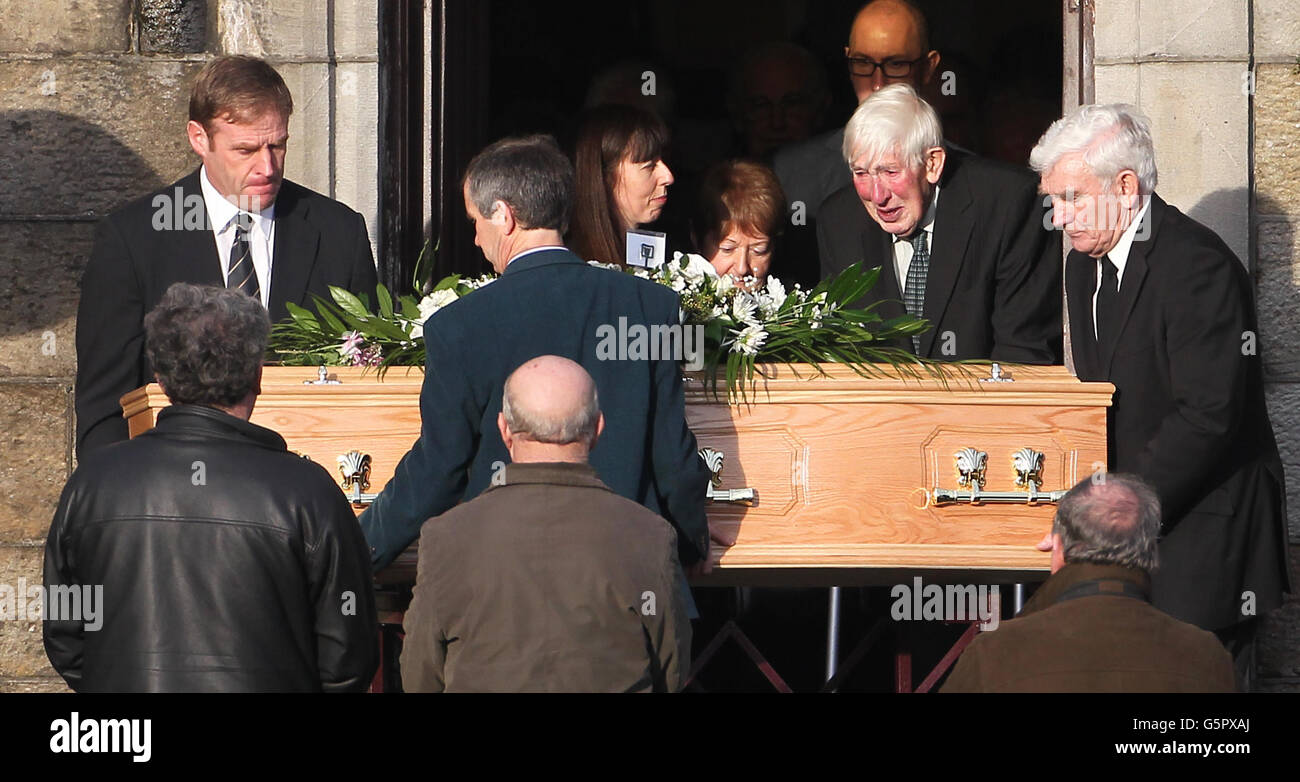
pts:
[173, 26]
[22, 650]
[1277, 293]
[310, 134]
[118, 124]
[300, 29]
[1277, 139]
[41, 264]
[356, 140]
[1115, 31]
[43, 684]
[1278, 646]
[1201, 142]
[35, 418]
[1177, 28]
[1116, 83]
[1277, 29]
[1283, 401]
[83, 26]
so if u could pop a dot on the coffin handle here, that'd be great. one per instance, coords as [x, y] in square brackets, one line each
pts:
[714, 459]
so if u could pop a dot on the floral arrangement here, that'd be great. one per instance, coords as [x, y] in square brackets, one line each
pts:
[743, 324]
[346, 332]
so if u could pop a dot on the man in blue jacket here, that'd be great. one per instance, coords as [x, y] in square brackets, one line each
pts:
[519, 194]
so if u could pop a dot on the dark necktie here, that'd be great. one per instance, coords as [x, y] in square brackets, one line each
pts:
[1107, 305]
[914, 289]
[242, 276]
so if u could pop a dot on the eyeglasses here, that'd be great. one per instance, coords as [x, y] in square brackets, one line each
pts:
[894, 69]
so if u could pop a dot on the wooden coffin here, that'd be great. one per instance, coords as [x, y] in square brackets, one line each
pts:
[844, 468]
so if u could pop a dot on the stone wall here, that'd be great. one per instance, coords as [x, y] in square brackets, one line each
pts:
[93, 101]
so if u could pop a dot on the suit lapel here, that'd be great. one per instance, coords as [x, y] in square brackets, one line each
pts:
[1081, 281]
[1130, 287]
[953, 225]
[195, 249]
[296, 240]
[878, 250]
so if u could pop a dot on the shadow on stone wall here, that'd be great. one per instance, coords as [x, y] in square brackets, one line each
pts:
[58, 174]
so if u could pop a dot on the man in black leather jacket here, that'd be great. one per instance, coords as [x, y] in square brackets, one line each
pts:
[202, 555]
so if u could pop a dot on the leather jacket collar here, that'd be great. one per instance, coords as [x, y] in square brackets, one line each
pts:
[211, 422]
[1073, 574]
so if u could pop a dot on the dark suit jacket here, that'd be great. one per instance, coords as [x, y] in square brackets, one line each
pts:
[548, 582]
[547, 303]
[1106, 642]
[318, 242]
[995, 272]
[1189, 416]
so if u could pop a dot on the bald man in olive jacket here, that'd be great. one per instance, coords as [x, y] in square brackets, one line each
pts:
[1091, 627]
[548, 581]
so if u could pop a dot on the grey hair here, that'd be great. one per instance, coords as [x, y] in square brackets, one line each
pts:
[893, 120]
[578, 427]
[530, 174]
[206, 344]
[1111, 137]
[1114, 520]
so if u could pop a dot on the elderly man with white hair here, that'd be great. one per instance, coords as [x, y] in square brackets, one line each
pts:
[1162, 308]
[960, 240]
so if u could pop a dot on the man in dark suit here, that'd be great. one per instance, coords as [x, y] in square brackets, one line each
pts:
[236, 222]
[959, 240]
[519, 194]
[548, 580]
[1091, 626]
[1162, 308]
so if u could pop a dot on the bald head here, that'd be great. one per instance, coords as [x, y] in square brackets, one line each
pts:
[891, 30]
[550, 411]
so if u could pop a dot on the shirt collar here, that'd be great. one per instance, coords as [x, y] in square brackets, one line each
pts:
[221, 211]
[535, 250]
[1119, 253]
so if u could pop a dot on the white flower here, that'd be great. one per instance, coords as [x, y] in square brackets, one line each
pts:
[696, 268]
[725, 284]
[481, 282]
[743, 309]
[431, 304]
[776, 290]
[600, 265]
[679, 284]
[748, 340]
[352, 342]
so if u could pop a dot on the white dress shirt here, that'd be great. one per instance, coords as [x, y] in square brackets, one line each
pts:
[1119, 256]
[261, 239]
[903, 248]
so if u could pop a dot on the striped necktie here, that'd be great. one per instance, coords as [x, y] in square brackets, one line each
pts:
[914, 289]
[242, 275]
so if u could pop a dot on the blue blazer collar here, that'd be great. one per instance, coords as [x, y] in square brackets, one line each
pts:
[542, 258]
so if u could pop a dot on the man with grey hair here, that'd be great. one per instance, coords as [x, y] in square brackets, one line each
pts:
[960, 240]
[1091, 627]
[548, 580]
[1162, 308]
[227, 563]
[548, 301]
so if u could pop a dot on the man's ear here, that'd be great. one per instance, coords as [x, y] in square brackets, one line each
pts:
[198, 136]
[935, 157]
[930, 67]
[506, 436]
[257, 382]
[600, 429]
[503, 217]
[1127, 186]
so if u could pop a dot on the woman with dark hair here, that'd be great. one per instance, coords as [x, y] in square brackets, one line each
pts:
[739, 213]
[622, 181]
